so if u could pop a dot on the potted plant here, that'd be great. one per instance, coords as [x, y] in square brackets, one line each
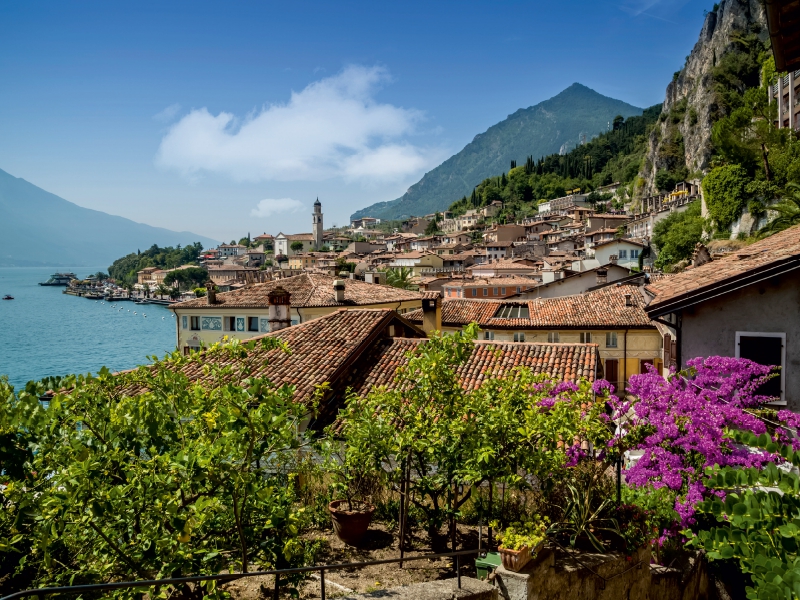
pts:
[521, 542]
[354, 485]
[583, 522]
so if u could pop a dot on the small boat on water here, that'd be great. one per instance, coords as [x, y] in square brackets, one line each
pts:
[62, 279]
[7, 297]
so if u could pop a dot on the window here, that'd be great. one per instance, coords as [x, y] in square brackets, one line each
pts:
[611, 339]
[623, 254]
[485, 291]
[502, 291]
[634, 254]
[494, 291]
[195, 323]
[488, 335]
[252, 323]
[474, 291]
[765, 349]
[519, 289]
[229, 323]
[513, 311]
[586, 337]
[519, 337]
[553, 337]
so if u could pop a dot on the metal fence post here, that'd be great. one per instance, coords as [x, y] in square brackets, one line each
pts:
[458, 570]
[275, 593]
[322, 583]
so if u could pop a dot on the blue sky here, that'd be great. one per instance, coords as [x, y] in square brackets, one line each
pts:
[224, 118]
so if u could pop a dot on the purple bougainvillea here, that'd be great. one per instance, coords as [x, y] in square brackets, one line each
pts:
[684, 423]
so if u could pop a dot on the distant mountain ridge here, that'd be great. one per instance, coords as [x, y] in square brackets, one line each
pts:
[38, 228]
[554, 125]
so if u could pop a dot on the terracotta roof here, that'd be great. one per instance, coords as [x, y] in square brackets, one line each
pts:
[494, 281]
[353, 349]
[299, 237]
[601, 308]
[626, 240]
[307, 290]
[772, 253]
[488, 359]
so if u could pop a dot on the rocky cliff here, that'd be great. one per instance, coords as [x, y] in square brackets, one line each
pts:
[680, 145]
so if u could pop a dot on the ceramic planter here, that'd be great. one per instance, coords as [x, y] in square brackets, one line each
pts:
[350, 525]
[515, 560]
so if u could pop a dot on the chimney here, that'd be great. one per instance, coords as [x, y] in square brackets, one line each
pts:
[431, 312]
[211, 293]
[602, 276]
[612, 259]
[279, 301]
[628, 299]
[338, 290]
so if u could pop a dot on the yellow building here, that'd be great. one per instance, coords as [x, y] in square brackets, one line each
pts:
[245, 313]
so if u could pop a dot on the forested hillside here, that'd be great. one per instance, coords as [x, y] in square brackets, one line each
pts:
[552, 126]
[124, 269]
[615, 156]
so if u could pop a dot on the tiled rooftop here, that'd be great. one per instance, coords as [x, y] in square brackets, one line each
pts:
[772, 251]
[493, 281]
[603, 308]
[353, 349]
[307, 290]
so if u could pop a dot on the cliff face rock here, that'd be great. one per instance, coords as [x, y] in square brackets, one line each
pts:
[681, 142]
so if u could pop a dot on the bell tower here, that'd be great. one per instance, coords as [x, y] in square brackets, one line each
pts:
[317, 224]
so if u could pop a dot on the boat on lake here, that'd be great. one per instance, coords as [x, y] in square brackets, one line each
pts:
[7, 297]
[62, 279]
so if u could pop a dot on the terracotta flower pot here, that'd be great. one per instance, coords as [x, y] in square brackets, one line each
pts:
[514, 560]
[350, 525]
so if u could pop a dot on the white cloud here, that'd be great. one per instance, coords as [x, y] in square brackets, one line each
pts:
[332, 128]
[270, 206]
[168, 114]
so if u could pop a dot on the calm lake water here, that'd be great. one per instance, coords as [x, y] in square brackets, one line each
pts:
[45, 332]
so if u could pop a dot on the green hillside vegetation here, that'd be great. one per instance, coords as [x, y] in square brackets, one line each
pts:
[124, 269]
[538, 130]
[613, 156]
[755, 166]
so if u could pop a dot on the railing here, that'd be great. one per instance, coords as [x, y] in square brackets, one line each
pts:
[226, 577]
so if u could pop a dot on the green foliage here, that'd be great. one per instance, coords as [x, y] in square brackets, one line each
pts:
[187, 278]
[124, 269]
[400, 277]
[508, 430]
[147, 474]
[725, 195]
[788, 211]
[296, 246]
[583, 517]
[676, 236]
[530, 533]
[433, 226]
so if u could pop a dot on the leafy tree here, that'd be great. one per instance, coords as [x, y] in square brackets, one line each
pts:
[147, 474]
[296, 246]
[187, 278]
[400, 277]
[677, 235]
[433, 226]
[724, 189]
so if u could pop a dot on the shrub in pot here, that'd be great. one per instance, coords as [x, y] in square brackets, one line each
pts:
[354, 486]
[521, 542]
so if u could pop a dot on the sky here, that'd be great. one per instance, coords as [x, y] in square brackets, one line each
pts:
[228, 118]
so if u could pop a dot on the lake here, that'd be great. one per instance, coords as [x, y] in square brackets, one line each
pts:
[45, 332]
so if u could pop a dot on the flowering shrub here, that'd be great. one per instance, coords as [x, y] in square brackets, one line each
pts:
[685, 423]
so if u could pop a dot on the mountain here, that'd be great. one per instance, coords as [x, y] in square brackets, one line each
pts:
[555, 125]
[725, 60]
[40, 229]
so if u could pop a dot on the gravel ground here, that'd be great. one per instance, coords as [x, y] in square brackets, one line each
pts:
[379, 543]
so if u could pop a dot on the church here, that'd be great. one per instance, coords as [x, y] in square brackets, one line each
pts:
[311, 241]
